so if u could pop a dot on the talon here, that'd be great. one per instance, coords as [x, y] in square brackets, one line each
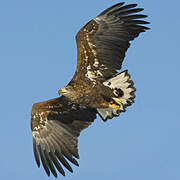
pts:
[119, 101]
[114, 106]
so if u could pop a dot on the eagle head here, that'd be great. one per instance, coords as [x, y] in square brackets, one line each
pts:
[67, 91]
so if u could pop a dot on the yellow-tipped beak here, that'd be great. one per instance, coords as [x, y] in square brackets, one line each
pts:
[61, 92]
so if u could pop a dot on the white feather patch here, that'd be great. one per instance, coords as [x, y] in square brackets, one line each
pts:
[122, 81]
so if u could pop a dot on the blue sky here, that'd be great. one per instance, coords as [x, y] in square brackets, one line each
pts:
[38, 56]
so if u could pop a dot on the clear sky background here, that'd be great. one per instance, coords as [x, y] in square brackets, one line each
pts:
[38, 56]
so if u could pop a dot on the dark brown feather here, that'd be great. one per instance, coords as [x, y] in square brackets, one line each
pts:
[103, 42]
[56, 125]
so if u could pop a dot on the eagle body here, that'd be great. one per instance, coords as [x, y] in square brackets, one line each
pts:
[96, 95]
[96, 88]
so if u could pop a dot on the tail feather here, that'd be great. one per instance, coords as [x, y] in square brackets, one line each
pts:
[123, 89]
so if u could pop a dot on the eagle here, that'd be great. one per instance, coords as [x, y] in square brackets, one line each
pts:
[97, 88]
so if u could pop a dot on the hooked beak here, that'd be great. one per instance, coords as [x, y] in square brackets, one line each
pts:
[61, 92]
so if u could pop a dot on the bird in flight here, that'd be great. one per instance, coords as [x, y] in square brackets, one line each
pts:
[96, 88]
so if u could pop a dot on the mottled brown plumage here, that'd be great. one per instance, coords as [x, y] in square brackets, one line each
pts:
[96, 87]
[56, 125]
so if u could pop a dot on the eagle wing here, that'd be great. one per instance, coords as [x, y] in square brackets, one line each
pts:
[103, 41]
[56, 125]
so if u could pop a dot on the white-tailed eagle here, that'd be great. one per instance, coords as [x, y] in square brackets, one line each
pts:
[96, 88]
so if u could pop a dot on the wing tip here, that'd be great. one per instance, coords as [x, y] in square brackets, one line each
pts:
[45, 152]
[36, 155]
[111, 8]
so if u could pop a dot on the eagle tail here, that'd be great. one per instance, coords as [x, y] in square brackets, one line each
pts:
[124, 94]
